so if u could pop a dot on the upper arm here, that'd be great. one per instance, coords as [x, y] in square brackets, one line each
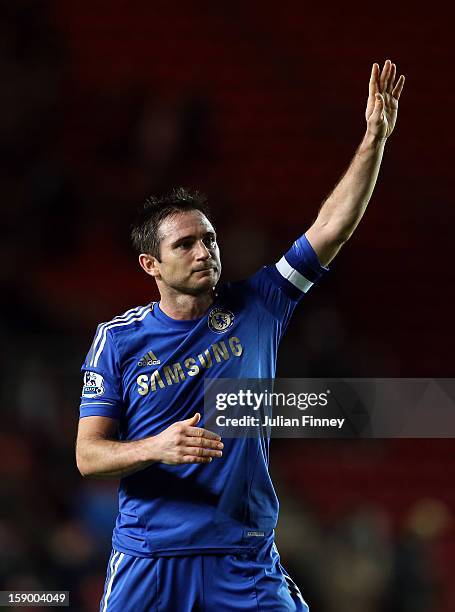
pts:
[283, 285]
[101, 391]
[91, 430]
[96, 427]
[325, 242]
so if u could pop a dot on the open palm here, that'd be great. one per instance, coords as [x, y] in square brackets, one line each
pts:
[382, 106]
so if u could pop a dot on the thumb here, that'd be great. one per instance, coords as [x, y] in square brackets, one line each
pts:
[194, 420]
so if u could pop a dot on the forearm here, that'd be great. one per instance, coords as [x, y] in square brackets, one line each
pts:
[104, 458]
[341, 212]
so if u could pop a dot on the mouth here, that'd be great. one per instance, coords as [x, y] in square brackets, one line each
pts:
[204, 270]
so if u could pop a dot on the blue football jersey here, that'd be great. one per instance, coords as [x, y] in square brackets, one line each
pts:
[147, 370]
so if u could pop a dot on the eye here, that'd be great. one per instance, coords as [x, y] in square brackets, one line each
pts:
[184, 245]
[210, 241]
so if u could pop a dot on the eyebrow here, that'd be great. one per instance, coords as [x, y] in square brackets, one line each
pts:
[191, 237]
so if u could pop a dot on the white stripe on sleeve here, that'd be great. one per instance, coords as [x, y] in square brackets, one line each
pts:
[123, 317]
[96, 403]
[293, 276]
[141, 315]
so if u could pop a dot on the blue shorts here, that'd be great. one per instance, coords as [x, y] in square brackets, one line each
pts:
[252, 581]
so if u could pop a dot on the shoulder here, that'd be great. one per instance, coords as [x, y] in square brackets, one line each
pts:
[235, 292]
[124, 323]
[133, 316]
[249, 285]
[248, 292]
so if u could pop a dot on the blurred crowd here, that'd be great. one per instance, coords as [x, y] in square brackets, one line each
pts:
[72, 175]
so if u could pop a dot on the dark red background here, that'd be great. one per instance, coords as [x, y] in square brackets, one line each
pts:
[261, 106]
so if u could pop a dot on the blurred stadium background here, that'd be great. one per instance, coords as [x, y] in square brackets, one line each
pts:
[261, 106]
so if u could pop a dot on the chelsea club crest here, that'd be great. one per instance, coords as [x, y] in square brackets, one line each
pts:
[220, 320]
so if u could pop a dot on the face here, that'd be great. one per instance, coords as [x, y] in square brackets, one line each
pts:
[190, 258]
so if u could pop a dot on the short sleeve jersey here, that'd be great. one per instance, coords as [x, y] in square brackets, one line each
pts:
[147, 370]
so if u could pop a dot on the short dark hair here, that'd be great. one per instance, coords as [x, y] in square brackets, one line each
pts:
[145, 228]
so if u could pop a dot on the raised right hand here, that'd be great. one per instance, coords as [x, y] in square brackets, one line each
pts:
[383, 95]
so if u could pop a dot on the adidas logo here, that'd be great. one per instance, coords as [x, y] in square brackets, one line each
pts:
[148, 359]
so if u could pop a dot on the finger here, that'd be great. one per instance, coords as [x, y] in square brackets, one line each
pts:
[200, 451]
[384, 75]
[396, 93]
[194, 459]
[206, 442]
[391, 79]
[373, 84]
[199, 432]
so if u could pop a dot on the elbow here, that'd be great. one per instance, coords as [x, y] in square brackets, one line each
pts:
[343, 236]
[83, 466]
[83, 471]
[340, 232]
[336, 232]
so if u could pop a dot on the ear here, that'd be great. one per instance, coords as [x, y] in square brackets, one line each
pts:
[149, 264]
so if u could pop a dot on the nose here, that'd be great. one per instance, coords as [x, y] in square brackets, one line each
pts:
[202, 252]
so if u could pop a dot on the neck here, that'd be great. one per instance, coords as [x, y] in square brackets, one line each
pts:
[183, 306]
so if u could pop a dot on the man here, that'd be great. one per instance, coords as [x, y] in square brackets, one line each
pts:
[196, 517]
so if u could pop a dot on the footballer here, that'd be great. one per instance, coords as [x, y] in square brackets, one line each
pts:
[195, 528]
